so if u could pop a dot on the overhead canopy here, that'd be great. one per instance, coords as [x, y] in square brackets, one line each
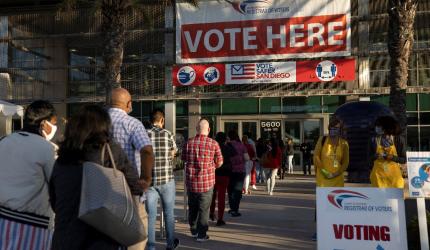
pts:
[10, 109]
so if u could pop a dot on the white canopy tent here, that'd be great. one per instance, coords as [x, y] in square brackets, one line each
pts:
[8, 111]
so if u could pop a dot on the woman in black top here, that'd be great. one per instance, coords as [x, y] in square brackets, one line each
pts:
[222, 177]
[85, 135]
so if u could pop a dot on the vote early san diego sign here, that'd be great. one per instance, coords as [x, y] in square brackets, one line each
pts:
[361, 218]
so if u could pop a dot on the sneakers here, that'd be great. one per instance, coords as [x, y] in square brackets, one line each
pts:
[194, 235]
[203, 239]
[254, 187]
[175, 244]
[220, 223]
[270, 193]
[212, 217]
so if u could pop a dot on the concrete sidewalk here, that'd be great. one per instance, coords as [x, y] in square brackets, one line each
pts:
[282, 221]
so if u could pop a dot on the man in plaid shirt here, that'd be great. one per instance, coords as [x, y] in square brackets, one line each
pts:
[201, 155]
[163, 181]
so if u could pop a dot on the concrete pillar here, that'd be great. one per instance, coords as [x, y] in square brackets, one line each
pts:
[194, 111]
[169, 106]
[363, 45]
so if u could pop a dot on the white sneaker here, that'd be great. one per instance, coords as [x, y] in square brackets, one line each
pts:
[254, 187]
[271, 193]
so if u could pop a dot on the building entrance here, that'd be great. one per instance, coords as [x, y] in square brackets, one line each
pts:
[299, 128]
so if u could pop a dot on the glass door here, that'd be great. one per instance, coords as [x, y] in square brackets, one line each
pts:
[249, 128]
[311, 131]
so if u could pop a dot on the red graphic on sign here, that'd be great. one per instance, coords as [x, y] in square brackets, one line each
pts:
[283, 36]
[361, 232]
[198, 75]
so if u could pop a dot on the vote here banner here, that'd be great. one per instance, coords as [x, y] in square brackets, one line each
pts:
[237, 30]
[361, 218]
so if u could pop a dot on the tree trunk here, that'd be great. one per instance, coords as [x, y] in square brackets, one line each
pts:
[400, 44]
[113, 30]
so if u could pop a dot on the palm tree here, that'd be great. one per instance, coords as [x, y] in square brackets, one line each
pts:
[400, 45]
[113, 33]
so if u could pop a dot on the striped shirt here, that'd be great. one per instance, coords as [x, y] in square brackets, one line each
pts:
[200, 154]
[130, 133]
[163, 144]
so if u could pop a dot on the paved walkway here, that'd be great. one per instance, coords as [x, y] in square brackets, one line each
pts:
[282, 221]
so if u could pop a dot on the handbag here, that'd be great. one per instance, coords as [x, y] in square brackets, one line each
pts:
[107, 205]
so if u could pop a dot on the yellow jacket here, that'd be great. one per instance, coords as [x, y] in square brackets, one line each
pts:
[332, 158]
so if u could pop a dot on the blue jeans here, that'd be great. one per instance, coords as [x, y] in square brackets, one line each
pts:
[167, 193]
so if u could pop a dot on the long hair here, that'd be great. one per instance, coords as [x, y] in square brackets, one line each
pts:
[86, 130]
[275, 146]
[232, 134]
[221, 138]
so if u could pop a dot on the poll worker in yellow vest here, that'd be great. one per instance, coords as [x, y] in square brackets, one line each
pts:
[331, 156]
[387, 153]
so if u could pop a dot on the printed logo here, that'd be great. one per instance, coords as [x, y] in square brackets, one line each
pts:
[417, 182]
[242, 71]
[211, 75]
[424, 172]
[337, 197]
[186, 75]
[253, 7]
[379, 247]
[326, 70]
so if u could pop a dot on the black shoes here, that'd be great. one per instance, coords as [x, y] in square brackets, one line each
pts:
[220, 223]
[212, 217]
[175, 244]
[203, 239]
[235, 214]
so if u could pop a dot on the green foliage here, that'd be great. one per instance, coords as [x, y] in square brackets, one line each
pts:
[414, 232]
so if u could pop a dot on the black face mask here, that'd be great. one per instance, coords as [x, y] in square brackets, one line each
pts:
[334, 132]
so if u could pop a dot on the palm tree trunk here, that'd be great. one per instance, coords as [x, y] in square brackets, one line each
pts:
[113, 12]
[400, 44]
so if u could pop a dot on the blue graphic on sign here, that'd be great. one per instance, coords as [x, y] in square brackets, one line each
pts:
[417, 182]
[379, 247]
[186, 75]
[424, 172]
[211, 75]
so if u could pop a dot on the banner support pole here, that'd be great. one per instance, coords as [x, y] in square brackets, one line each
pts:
[422, 221]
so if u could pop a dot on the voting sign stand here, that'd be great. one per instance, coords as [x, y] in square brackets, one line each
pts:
[419, 188]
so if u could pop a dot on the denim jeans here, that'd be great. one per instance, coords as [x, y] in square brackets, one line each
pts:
[198, 212]
[261, 177]
[167, 193]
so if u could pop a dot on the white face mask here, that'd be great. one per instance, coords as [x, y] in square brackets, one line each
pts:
[53, 131]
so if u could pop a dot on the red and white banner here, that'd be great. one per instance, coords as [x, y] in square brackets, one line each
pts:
[265, 72]
[238, 30]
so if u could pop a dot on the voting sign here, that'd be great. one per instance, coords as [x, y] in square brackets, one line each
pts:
[239, 30]
[419, 174]
[361, 218]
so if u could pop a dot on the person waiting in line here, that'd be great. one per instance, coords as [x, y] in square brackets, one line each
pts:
[163, 181]
[202, 155]
[27, 162]
[261, 148]
[387, 153]
[289, 155]
[249, 164]
[83, 141]
[237, 176]
[222, 178]
[331, 157]
[253, 180]
[272, 164]
[306, 150]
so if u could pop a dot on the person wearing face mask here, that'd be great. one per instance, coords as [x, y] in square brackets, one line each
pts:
[27, 162]
[387, 153]
[331, 158]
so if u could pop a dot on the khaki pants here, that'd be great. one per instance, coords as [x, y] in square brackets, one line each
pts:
[144, 217]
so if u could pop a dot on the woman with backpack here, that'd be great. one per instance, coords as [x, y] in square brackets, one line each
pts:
[222, 178]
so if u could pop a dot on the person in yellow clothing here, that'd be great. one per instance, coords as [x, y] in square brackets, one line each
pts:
[387, 154]
[331, 156]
